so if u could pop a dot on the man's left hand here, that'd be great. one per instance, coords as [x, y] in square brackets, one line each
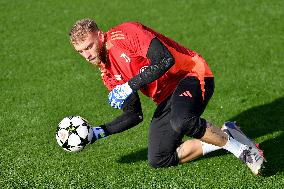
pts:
[119, 94]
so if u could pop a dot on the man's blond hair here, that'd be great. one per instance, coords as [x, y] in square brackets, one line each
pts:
[81, 29]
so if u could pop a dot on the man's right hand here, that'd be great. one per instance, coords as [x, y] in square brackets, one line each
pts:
[98, 133]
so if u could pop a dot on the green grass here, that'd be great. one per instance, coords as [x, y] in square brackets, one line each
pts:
[43, 80]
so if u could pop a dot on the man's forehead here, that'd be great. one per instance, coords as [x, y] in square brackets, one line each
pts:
[85, 42]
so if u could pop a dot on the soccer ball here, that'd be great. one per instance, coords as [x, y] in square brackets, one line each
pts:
[74, 133]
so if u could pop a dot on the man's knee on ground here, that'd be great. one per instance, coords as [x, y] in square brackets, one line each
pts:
[163, 161]
[192, 126]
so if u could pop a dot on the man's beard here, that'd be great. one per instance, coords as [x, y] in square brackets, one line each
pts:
[103, 54]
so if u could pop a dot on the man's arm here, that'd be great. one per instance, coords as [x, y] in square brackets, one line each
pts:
[132, 115]
[161, 61]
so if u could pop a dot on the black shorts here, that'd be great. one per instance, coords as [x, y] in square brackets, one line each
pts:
[163, 138]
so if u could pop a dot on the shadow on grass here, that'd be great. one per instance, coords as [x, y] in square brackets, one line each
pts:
[140, 155]
[265, 121]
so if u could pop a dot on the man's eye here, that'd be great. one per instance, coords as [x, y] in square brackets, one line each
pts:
[90, 46]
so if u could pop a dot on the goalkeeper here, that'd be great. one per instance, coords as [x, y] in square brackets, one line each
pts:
[133, 57]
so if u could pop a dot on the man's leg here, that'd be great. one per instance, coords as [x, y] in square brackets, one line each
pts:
[187, 105]
[193, 149]
[165, 145]
[163, 140]
[189, 150]
[214, 135]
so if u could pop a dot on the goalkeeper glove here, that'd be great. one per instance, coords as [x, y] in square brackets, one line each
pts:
[119, 94]
[98, 133]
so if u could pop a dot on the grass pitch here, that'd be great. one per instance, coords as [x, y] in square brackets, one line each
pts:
[43, 80]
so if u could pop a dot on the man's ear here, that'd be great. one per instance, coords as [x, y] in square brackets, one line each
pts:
[101, 36]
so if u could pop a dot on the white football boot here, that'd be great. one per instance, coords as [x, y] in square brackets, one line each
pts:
[252, 156]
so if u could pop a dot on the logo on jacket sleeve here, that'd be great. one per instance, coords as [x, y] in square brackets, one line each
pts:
[142, 69]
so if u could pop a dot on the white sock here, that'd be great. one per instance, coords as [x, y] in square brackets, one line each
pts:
[207, 148]
[234, 147]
